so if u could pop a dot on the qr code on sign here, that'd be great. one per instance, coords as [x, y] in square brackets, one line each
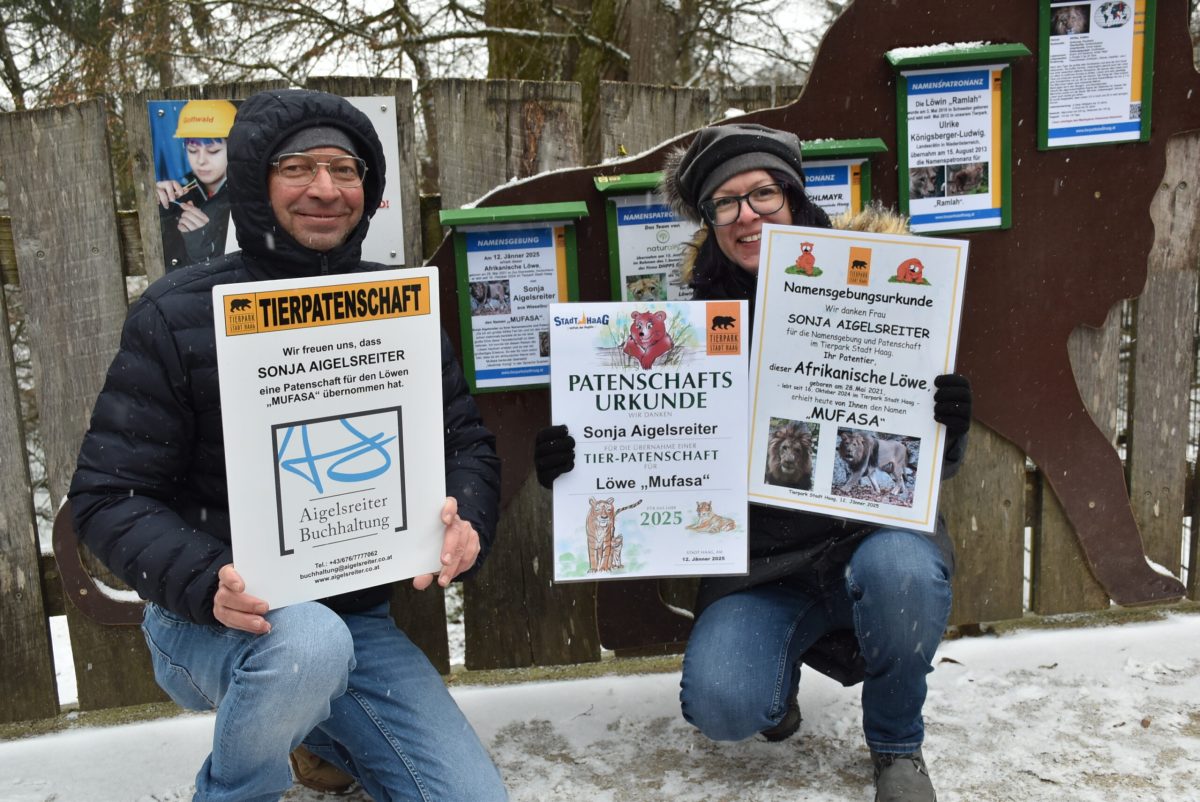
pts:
[1135, 111]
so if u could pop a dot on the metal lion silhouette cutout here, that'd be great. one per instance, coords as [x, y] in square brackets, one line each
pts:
[1028, 286]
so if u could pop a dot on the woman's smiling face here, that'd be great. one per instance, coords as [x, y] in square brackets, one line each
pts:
[740, 240]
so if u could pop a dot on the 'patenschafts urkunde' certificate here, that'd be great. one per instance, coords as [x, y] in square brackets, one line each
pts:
[655, 397]
[850, 331]
[332, 414]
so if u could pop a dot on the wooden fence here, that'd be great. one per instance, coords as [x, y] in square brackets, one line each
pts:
[67, 250]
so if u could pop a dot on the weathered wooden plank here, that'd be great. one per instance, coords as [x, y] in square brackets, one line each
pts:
[1164, 358]
[401, 93]
[68, 259]
[421, 615]
[141, 153]
[513, 615]
[52, 590]
[753, 98]
[638, 117]
[984, 508]
[489, 132]
[492, 131]
[635, 118]
[131, 247]
[27, 688]
[1193, 585]
[1061, 580]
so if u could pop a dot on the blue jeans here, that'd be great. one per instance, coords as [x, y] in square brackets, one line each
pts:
[742, 658]
[352, 687]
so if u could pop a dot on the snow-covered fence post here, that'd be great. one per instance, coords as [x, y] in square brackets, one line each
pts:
[488, 133]
[68, 254]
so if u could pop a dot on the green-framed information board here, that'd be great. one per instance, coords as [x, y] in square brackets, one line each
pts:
[511, 263]
[954, 119]
[1095, 68]
[646, 240]
[837, 173]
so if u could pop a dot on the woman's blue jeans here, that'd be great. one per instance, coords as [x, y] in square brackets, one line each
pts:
[742, 659]
[352, 687]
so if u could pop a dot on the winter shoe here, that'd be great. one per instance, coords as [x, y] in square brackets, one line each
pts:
[902, 778]
[317, 774]
[789, 724]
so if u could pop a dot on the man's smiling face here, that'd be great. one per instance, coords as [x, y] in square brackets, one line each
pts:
[319, 215]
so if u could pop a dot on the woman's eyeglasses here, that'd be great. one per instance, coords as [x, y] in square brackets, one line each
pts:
[762, 200]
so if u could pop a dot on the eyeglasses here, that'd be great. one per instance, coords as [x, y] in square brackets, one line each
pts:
[300, 170]
[763, 201]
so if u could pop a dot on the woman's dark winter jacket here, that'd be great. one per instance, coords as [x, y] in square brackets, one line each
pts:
[149, 495]
[791, 547]
[188, 247]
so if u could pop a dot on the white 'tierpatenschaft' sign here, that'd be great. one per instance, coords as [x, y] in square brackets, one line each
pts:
[332, 413]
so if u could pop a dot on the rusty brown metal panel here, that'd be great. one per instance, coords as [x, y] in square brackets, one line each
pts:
[1062, 580]
[1029, 287]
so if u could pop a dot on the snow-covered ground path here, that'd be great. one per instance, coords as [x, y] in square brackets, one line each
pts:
[1108, 714]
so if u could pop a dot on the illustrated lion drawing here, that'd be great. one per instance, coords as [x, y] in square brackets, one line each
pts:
[603, 543]
[789, 457]
[863, 453]
[648, 337]
[709, 521]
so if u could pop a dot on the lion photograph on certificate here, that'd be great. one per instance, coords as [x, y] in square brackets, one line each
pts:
[875, 466]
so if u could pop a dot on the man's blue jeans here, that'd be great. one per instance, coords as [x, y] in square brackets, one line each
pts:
[742, 657]
[352, 687]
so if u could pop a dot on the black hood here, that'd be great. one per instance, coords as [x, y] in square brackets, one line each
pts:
[263, 122]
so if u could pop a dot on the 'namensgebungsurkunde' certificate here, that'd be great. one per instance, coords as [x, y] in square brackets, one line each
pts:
[655, 397]
[332, 411]
[850, 331]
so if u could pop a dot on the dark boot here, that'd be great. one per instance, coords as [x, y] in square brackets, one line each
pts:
[902, 778]
[789, 724]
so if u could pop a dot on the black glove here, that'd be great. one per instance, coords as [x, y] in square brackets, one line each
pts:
[553, 454]
[952, 402]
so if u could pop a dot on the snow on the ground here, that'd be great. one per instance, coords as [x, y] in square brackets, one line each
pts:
[1088, 715]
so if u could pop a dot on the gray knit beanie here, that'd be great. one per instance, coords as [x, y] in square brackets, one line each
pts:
[720, 152]
[316, 136]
